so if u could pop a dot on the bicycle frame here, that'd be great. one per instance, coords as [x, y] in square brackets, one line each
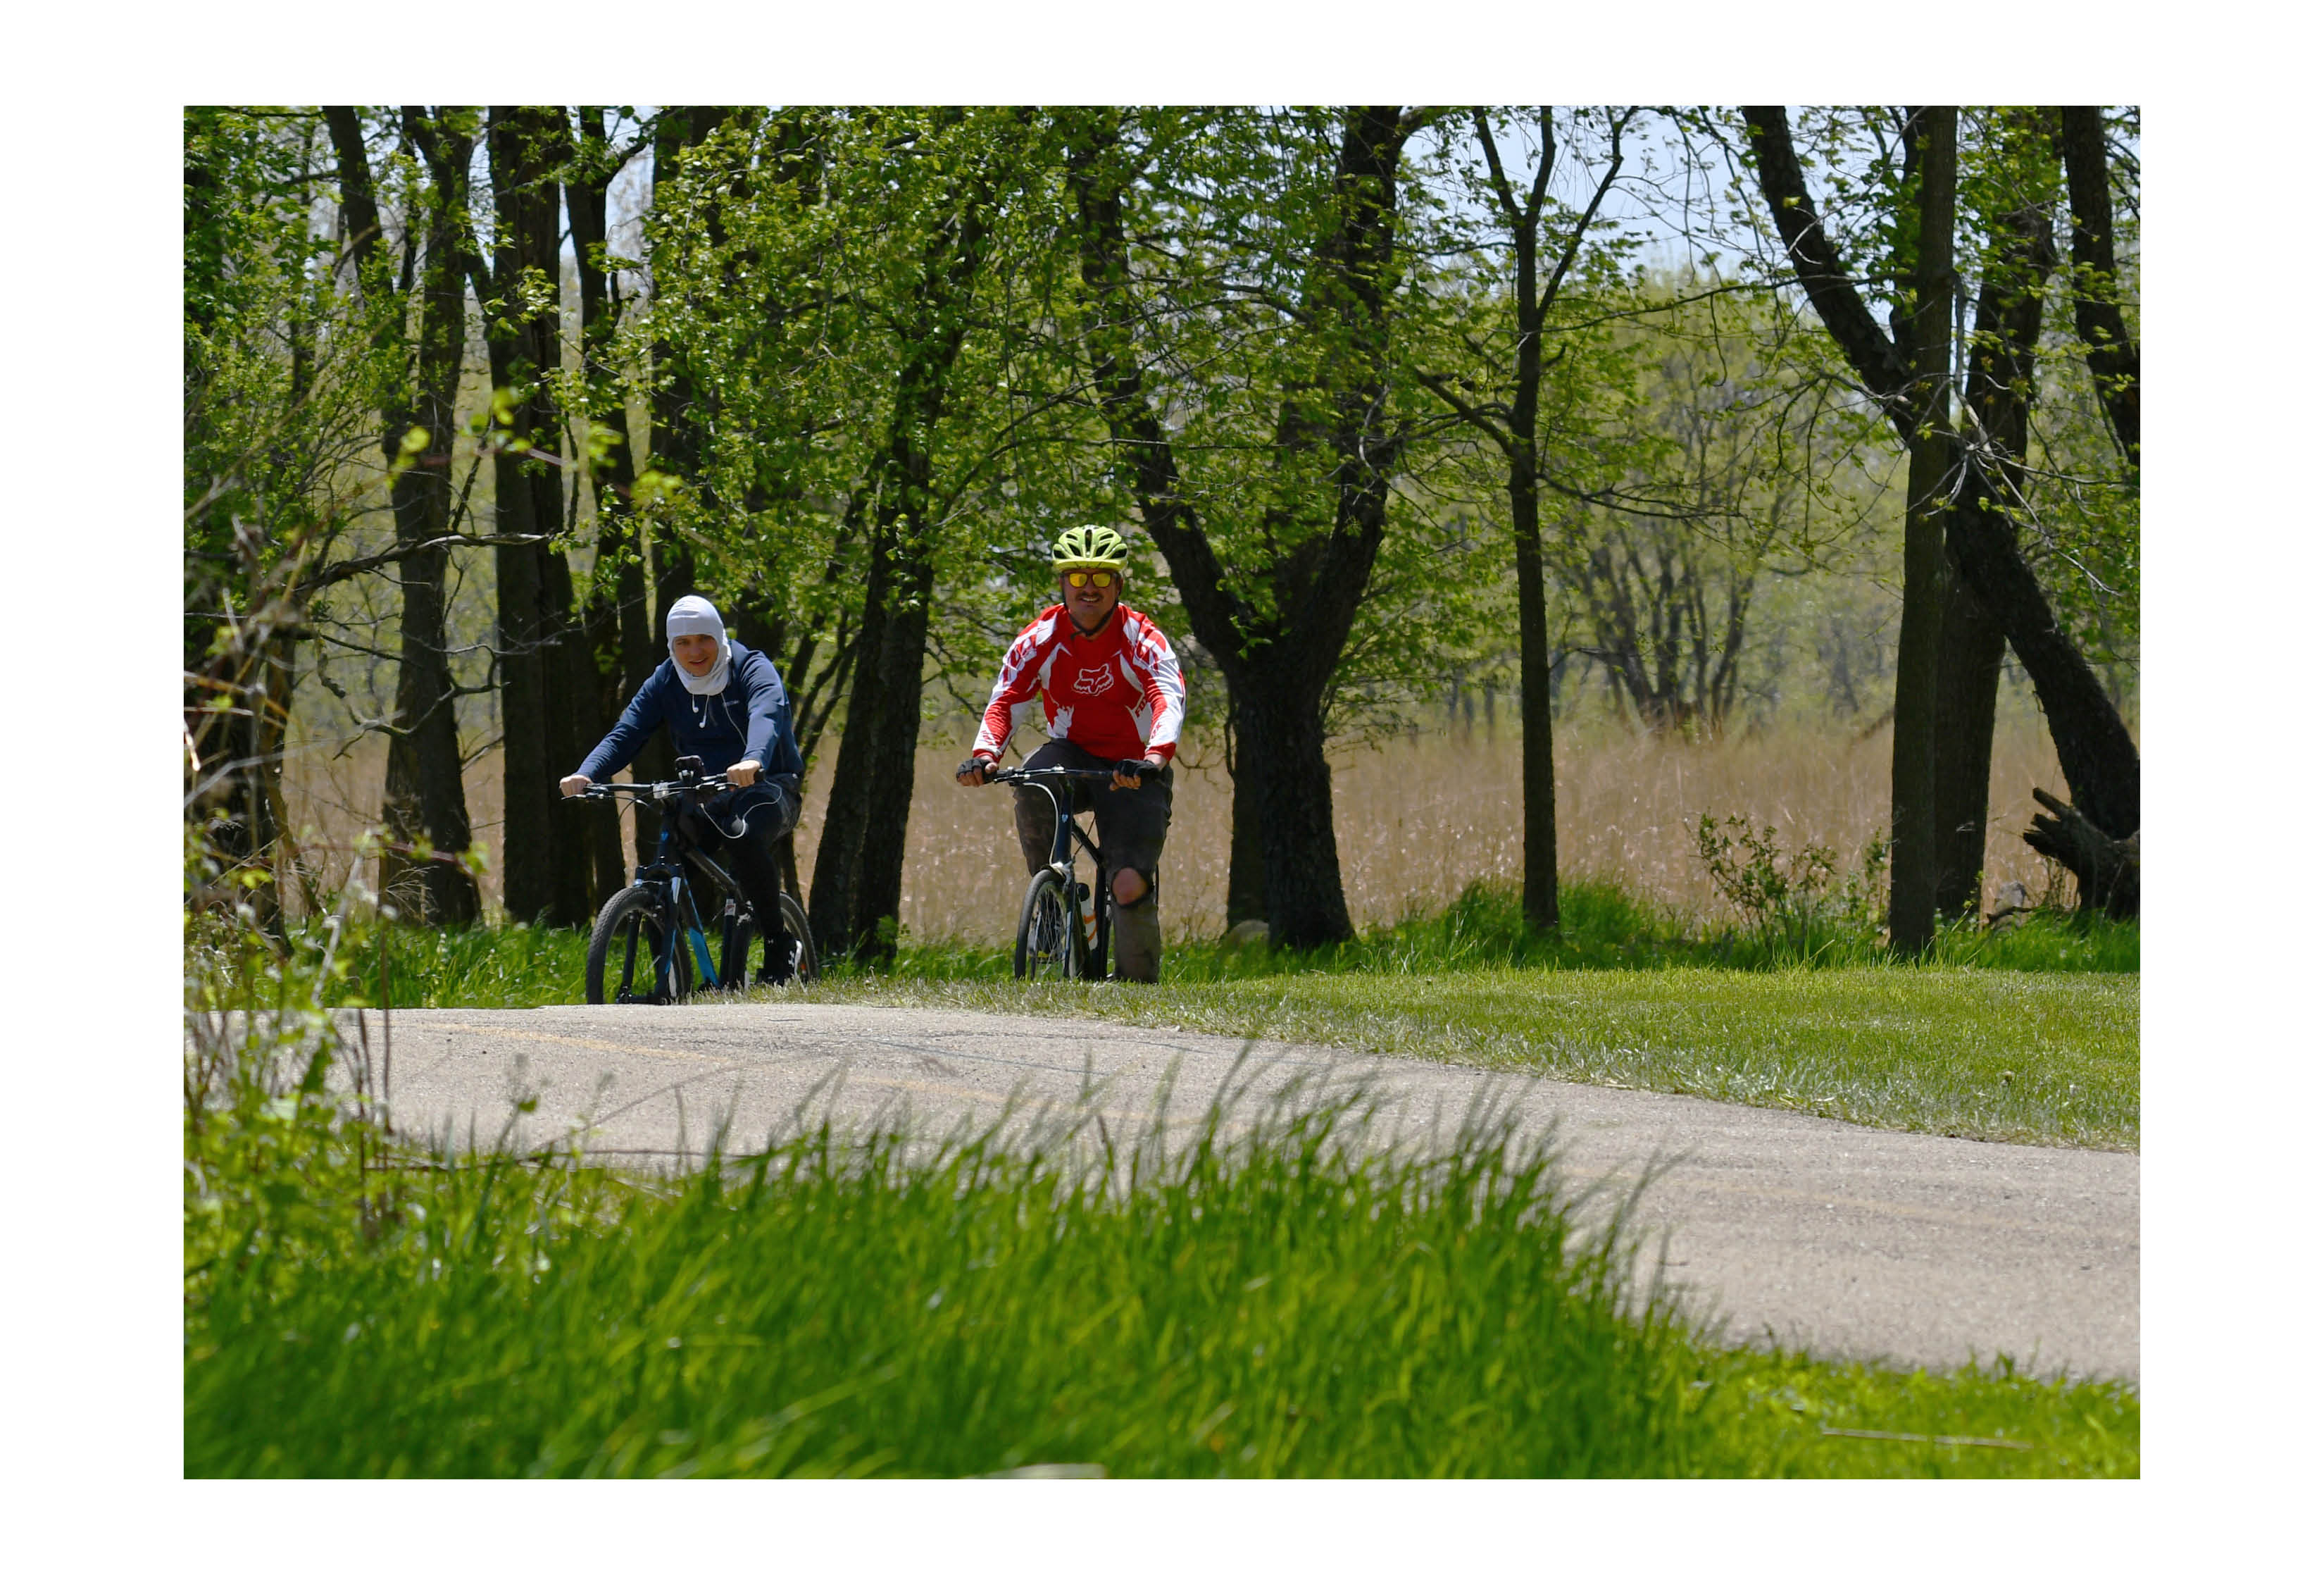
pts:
[668, 870]
[1069, 829]
[1068, 832]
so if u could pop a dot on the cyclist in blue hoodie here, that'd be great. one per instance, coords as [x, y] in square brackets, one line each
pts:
[725, 704]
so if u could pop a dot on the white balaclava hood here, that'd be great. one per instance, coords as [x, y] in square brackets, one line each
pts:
[693, 614]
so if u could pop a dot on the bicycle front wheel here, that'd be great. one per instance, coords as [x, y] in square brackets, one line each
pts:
[632, 955]
[1048, 931]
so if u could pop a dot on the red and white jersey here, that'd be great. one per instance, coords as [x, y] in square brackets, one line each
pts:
[1116, 692]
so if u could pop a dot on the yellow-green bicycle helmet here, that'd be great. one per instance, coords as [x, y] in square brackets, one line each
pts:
[1090, 545]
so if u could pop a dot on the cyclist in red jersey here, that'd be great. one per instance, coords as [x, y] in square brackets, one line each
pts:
[1110, 689]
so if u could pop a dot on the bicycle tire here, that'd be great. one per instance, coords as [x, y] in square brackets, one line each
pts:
[632, 918]
[1048, 931]
[1100, 962]
[1093, 965]
[795, 917]
[741, 937]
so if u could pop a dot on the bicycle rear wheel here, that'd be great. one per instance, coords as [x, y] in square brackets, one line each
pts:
[633, 957]
[795, 918]
[741, 938]
[1100, 959]
[1048, 931]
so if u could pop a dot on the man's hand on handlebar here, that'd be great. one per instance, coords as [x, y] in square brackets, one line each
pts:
[971, 770]
[573, 785]
[743, 772]
[1127, 773]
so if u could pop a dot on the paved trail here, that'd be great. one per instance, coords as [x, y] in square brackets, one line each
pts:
[1847, 1240]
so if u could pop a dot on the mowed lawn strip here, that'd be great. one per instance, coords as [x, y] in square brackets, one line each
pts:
[2008, 1056]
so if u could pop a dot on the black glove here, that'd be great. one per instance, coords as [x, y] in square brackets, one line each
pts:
[1133, 770]
[974, 763]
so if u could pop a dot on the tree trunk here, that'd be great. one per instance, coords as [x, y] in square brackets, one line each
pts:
[1282, 738]
[424, 802]
[1278, 662]
[1998, 398]
[1538, 766]
[241, 755]
[622, 620]
[856, 905]
[230, 694]
[881, 794]
[1245, 842]
[839, 850]
[1912, 823]
[546, 858]
[2105, 869]
[424, 808]
[615, 619]
[859, 863]
[590, 861]
[1969, 678]
[2094, 747]
[2098, 320]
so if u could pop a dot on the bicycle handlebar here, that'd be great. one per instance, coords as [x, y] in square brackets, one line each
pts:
[717, 784]
[1022, 773]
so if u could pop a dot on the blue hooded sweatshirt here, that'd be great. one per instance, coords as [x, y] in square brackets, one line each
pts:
[752, 720]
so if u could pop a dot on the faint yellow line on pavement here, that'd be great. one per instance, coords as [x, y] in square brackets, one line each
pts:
[514, 1033]
[856, 1075]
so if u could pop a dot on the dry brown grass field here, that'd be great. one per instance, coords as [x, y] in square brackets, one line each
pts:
[1418, 819]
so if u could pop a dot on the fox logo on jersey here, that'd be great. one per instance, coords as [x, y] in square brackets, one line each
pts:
[1093, 680]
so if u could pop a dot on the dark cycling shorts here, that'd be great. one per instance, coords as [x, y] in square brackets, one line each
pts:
[1132, 823]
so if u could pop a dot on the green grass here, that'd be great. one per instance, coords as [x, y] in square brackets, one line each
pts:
[1286, 1306]
[483, 966]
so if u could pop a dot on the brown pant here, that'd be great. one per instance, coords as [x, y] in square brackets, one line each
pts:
[1133, 824]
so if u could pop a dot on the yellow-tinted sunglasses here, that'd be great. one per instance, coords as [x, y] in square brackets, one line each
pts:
[1091, 579]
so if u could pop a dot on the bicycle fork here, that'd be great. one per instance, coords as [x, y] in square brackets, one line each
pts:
[1081, 902]
[683, 924]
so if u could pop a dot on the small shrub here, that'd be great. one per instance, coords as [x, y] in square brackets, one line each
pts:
[1788, 900]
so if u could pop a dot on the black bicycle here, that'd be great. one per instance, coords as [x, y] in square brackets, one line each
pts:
[652, 934]
[1066, 928]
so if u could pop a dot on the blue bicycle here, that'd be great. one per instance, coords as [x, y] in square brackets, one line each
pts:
[651, 942]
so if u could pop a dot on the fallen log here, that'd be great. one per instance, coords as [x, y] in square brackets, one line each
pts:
[2105, 868]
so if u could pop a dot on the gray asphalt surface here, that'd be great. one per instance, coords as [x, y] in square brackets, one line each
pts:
[1848, 1241]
